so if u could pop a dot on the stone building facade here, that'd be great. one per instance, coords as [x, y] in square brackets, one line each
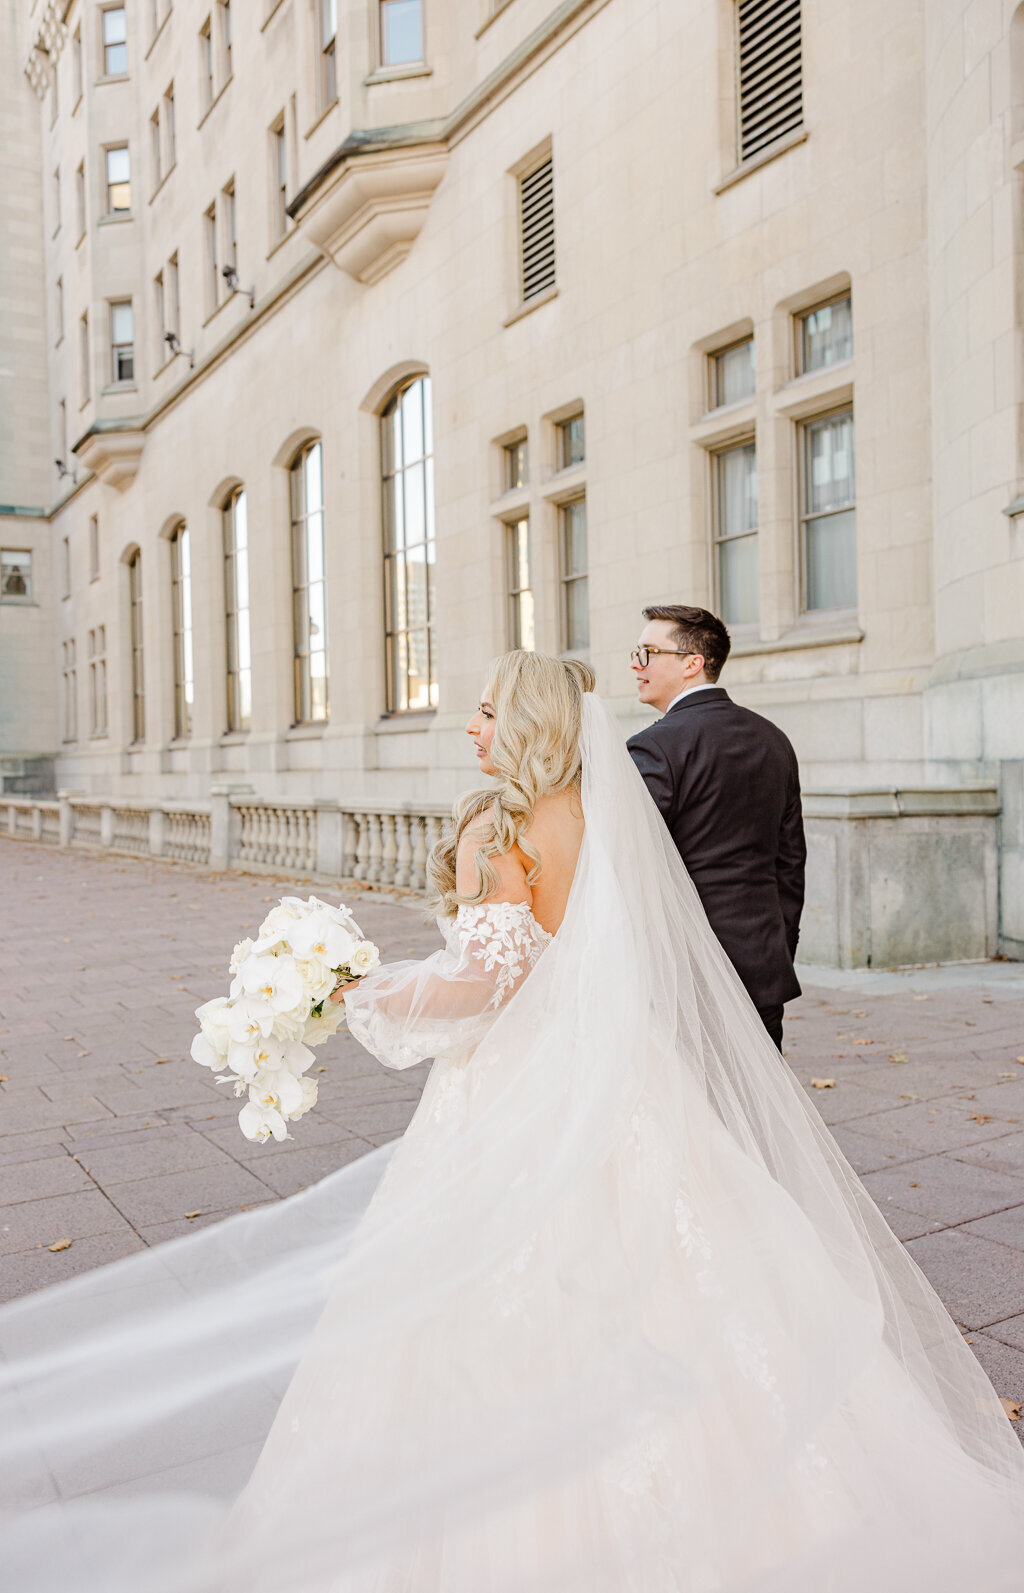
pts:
[346, 342]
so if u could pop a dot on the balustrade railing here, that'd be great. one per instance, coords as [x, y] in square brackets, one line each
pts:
[383, 847]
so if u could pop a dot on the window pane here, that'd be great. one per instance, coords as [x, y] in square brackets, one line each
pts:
[829, 463]
[114, 29]
[526, 633]
[328, 19]
[315, 548]
[121, 323]
[401, 32]
[575, 523]
[317, 619]
[16, 575]
[827, 335]
[737, 491]
[832, 561]
[738, 580]
[412, 424]
[571, 447]
[314, 479]
[415, 517]
[734, 373]
[118, 165]
[578, 616]
[516, 466]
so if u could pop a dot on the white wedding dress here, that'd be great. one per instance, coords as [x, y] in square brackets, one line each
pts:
[614, 1316]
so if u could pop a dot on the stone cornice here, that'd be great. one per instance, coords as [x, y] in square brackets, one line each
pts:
[112, 450]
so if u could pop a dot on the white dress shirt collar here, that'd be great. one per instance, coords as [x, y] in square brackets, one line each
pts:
[710, 685]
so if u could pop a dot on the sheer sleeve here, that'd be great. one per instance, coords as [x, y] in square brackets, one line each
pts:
[407, 1012]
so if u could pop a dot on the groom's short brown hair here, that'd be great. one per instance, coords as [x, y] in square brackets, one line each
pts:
[696, 629]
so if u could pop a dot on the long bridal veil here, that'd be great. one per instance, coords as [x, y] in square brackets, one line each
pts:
[615, 1317]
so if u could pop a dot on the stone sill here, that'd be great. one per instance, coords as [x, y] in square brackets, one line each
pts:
[800, 637]
[902, 802]
[762, 158]
[397, 724]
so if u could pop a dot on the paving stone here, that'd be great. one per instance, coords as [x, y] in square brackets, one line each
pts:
[977, 1280]
[867, 1152]
[297, 1168]
[35, 1180]
[42, 1222]
[28, 1270]
[145, 1201]
[1005, 1154]
[948, 1191]
[1009, 1332]
[159, 1151]
[1004, 1367]
[923, 1126]
[1007, 1227]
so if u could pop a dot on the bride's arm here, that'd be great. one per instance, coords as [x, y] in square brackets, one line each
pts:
[406, 1012]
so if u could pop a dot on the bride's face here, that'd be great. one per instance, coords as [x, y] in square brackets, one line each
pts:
[481, 729]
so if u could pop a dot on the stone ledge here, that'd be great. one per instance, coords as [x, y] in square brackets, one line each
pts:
[901, 802]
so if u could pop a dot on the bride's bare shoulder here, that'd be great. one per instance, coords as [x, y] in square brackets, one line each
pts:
[508, 866]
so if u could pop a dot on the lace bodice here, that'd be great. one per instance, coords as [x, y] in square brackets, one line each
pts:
[407, 1012]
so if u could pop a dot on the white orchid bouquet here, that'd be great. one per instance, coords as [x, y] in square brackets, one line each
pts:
[279, 1006]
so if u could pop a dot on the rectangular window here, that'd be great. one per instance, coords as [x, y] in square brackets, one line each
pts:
[732, 374]
[122, 341]
[520, 585]
[181, 595]
[309, 588]
[829, 513]
[65, 567]
[115, 42]
[135, 634]
[58, 309]
[80, 202]
[212, 267]
[205, 67]
[170, 129]
[224, 26]
[84, 360]
[517, 465]
[770, 77]
[94, 547]
[279, 177]
[826, 335]
[119, 181]
[70, 674]
[575, 601]
[537, 230]
[77, 73]
[173, 298]
[328, 52]
[236, 600]
[62, 424]
[56, 200]
[230, 227]
[15, 575]
[160, 320]
[155, 152]
[571, 442]
[401, 32]
[736, 553]
[407, 446]
[98, 681]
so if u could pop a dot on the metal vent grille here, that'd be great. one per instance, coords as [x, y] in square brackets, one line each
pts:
[537, 230]
[770, 74]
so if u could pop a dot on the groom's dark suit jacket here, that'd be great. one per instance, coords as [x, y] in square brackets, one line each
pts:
[727, 784]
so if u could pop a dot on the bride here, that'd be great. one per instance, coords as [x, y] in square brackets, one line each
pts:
[614, 1316]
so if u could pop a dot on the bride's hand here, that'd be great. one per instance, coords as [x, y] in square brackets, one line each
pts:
[343, 990]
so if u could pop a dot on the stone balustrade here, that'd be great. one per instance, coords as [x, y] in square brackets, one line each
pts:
[386, 847]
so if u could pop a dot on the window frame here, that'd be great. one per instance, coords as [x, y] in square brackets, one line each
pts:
[567, 579]
[239, 720]
[302, 673]
[117, 377]
[107, 76]
[396, 558]
[514, 590]
[800, 319]
[84, 360]
[548, 281]
[806, 516]
[98, 706]
[384, 64]
[26, 597]
[69, 674]
[719, 539]
[327, 58]
[207, 83]
[109, 186]
[182, 631]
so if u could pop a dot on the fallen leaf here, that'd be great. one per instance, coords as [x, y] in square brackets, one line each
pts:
[1012, 1408]
[321, 1070]
[3, 1078]
[862, 1042]
[1020, 1059]
[920, 998]
[183, 987]
[71, 1037]
[82, 1053]
[162, 1061]
[915, 1186]
[823, 1084]
[60, 1244]
[190, 1214]
[910, 1097]
[1006, 1075]
[861, 1014]
[898, 1056]
[980, 1117]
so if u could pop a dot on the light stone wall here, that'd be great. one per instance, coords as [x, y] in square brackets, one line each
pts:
[905, 188]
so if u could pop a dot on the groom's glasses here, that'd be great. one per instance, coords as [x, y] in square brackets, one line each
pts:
[642, 655]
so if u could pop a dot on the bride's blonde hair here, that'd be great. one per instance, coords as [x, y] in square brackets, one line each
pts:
[537, 703]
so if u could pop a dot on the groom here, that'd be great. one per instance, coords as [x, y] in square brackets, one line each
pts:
[727, 785]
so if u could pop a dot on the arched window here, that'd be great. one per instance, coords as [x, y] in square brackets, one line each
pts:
[184, 673]
[236, 607]
[407, 458]
[135, 632]
[309, 592]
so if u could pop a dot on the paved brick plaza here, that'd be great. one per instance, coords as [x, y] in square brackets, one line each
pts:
[110, 1135]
